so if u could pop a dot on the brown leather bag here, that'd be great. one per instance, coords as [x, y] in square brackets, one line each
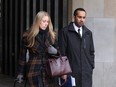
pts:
[58, 66]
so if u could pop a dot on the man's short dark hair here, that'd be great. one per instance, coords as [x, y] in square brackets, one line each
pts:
[78, 9]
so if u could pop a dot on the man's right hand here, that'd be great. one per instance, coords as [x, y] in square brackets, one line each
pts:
[64, 77]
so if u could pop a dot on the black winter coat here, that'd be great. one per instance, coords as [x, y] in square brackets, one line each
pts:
[80, 52]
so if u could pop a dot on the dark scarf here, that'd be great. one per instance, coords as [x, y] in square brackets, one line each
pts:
[43, 36]
[42, 40]
[43, 31]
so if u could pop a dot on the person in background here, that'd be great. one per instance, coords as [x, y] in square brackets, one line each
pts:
[76, 42]
[37, 39]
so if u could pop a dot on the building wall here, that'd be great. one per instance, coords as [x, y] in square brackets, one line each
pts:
[0, 37]
[101, 20]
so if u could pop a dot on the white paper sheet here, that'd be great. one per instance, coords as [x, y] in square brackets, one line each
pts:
[73, 81]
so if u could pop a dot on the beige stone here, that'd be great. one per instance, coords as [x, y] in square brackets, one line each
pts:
[110, 8]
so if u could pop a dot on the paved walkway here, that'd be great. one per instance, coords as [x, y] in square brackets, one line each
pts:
[6, 81]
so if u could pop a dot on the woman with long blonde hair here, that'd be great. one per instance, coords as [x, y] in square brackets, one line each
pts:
[37, 39]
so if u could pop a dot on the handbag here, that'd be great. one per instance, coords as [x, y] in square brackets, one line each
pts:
[58, 66]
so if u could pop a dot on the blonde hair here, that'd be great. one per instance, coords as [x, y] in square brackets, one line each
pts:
[34, 30]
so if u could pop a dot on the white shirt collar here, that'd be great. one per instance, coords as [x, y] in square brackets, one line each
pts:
[76, 28]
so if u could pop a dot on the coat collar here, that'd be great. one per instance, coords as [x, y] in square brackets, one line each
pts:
[71, 28]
